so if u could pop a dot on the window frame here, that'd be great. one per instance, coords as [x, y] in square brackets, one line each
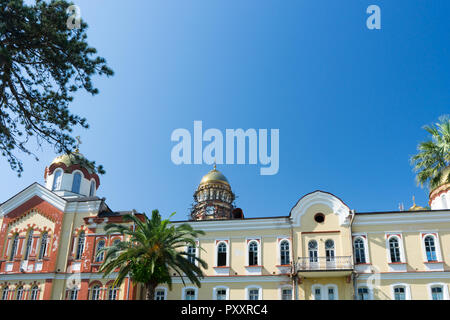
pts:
[437, 247]
[227, 255]
[280, 251]
[253, 287]
[399, 238]
[445, 295]
[75, 174]
[184, 291]
[217, 288]
[401, 285]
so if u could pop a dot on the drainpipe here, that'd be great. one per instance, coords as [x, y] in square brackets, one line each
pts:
[354, 274]
[293, 264]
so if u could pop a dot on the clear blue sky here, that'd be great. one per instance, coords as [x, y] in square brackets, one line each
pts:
[350, 103]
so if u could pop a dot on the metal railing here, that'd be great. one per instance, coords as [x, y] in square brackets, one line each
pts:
[324, 263]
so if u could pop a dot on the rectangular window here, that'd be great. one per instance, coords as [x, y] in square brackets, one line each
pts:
[190, 295]
[399, 293]
[436, 293]
[253, 294]
[331, 294]
[286, 294]
[221, 294]
[363, 294]
[317, 294]
[159, 295]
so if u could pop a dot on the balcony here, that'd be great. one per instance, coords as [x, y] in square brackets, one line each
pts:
[325, 266]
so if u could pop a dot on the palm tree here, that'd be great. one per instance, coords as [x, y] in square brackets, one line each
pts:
[434, 155]
[151, 251]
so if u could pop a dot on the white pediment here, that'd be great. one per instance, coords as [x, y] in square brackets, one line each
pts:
[33, 190]
[320, 197]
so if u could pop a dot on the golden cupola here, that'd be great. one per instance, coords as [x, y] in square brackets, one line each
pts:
[213, 198]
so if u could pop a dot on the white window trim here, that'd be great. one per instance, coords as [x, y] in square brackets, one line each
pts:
[400, 244]
[437, 245]
[283, 287]
[251, 287]
[438, 284]
[258, 243]
[183, 292]
[218, 242]
[363, 237]
[215, 289]
[407, 290]
[163, 289]
[280, 240]
[95, 187]
[324, 291]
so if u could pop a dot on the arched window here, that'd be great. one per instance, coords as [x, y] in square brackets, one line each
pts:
[34, 293]
[92, 189]
[19, 293]
[312, 249]
[284, 252]
[14, 247]
[100, 255]
[5, 293]
[329, 250]
[95, 292]
[394, 248]
[76, 184]
[430, 248]
[191, 251]
[43, 248]
[317, 291]
[28, 247]
[57, 176]
[253, 253]
[360, 253]
[222, 255]
[112, 293]
[80, 246]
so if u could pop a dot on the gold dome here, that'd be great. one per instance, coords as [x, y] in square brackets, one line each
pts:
[415, 207]
[214, 176]
[74, 158]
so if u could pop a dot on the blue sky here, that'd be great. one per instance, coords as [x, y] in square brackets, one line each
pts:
[350, 102]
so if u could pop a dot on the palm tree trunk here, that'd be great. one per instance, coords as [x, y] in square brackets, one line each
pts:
[150, 288]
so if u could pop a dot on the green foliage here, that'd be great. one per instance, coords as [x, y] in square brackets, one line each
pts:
[153, 249]
[434, 155]
[42, 64]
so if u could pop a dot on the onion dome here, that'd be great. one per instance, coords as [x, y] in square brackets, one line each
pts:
[72, 175]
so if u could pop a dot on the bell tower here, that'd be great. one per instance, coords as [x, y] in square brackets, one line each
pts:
[213, 197]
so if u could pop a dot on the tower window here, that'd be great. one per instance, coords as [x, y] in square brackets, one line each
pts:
[92, 189]
[57, 176]
[76, 184]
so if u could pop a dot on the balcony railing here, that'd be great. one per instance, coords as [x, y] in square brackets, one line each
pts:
[324, 263]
